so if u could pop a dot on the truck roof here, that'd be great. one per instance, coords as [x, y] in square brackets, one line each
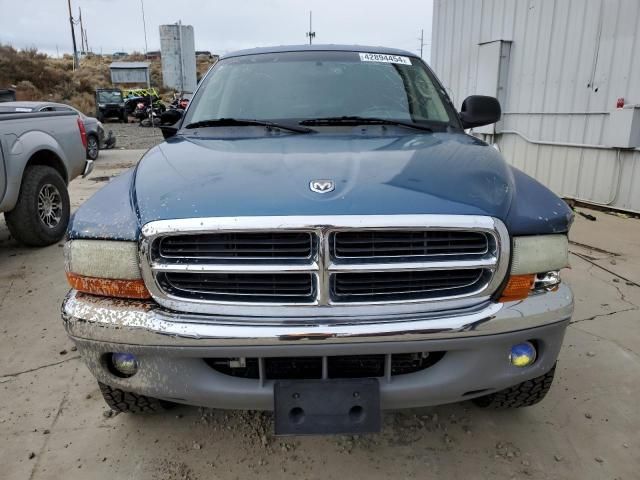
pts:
[319, 48]
[27, 104]
[33, 105]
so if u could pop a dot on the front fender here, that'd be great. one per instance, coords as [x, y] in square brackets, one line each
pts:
[19, 151]
[535, 209]
[109, 214]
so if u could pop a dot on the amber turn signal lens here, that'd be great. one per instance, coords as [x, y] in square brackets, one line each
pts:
[518, 288]
[108, 287]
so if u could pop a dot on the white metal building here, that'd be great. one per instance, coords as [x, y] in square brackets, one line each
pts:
[177, 43]
[130, 73]
[558, 68]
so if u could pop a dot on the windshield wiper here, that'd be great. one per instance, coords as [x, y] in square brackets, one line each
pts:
[239, 122]
[355, 120]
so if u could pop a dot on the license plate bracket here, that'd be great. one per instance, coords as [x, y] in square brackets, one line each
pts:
[325, 407]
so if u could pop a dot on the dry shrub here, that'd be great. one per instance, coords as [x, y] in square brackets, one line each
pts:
[40, 77]
[84, 101]
[25, 91]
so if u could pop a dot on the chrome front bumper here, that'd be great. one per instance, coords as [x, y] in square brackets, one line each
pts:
[142, 323]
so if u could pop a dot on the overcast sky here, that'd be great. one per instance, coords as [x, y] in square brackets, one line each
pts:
[220, 26]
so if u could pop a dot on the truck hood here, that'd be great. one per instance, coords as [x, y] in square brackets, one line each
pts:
[434, 173]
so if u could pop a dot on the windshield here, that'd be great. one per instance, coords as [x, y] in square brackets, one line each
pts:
[311, 85]
[110, 97]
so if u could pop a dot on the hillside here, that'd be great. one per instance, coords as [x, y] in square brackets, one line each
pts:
[37, 76]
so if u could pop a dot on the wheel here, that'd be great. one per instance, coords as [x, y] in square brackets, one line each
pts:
[124, 118]
[524, 394]
[100, 117]
[127, 402]
[42, 213]
[93, 147]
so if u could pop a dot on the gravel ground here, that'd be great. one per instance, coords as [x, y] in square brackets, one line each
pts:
[131, 136]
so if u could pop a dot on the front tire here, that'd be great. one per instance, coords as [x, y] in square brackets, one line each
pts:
[523, 394]
[122, 401]
[41, 214]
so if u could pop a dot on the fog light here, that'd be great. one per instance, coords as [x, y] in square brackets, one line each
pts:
[522, 354]
[124, 363]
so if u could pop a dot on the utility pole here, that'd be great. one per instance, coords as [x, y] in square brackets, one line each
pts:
[83, 34]
[311, 34]
[181, 59]
[81, 30]
[144, 27]
[73, 37]
[422, 42]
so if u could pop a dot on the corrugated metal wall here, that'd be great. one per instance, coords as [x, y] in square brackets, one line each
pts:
[570, 61]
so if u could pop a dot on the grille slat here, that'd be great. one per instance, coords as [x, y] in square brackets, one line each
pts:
[357, 279]
[238, 245]
[368, 244]
[247, 251]
[382, 239]
[406, 285]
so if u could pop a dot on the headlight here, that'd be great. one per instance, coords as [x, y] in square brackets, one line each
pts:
[105, 267]
[102, 105]
[539, 254]
[535, 265]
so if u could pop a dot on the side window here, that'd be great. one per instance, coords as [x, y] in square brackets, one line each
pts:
[47, 109]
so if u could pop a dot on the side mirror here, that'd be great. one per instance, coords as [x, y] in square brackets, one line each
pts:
[171, 116]
[479, 110]
[168, 119]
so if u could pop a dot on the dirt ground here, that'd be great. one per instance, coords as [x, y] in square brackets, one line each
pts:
[131, 136]
[54, 423]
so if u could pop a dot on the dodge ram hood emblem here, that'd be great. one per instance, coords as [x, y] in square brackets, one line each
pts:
[322, 186]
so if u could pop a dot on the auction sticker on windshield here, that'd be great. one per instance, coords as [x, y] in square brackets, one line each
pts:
[379, 57]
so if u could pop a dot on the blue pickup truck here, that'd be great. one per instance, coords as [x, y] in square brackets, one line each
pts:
[318, 236]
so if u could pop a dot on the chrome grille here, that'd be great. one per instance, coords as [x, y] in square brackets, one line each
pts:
[232, 266]
[380, 243]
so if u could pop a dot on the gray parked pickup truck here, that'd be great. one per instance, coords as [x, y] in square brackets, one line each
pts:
[97, 138]
[40, 153]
